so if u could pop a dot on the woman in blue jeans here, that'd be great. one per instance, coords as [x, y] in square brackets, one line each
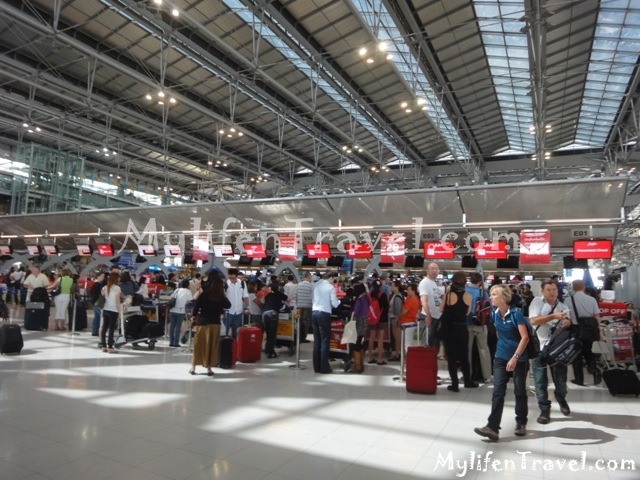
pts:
[510, 361]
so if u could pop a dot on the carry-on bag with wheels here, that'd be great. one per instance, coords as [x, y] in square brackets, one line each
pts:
[618, 380]
[421, 368]
[36, 316]
[228, 352]
[11, 338]
[249, 344]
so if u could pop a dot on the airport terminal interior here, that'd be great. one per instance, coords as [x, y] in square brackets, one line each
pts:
[362, 137]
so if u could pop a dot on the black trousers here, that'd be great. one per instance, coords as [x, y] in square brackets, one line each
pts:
[590, 360]
[457, 349]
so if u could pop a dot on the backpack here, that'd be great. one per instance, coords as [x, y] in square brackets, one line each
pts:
[482, 312]
[375, 312]
[562, 348]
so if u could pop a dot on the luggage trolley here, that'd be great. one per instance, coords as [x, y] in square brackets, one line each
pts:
[618, 340]
[286, 336]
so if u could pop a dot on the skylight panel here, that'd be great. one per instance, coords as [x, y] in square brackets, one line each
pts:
[613, 59]
[377, 18]
[509, 66]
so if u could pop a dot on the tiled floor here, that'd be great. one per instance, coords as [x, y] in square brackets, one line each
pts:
[69, 411]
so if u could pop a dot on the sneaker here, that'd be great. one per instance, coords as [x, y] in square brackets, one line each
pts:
[564, 407]
[545, 417]
[575, 382]
[451, 388]
[521, 430]
[272, 355]
[105, 350]
[471, 385]
[112, 350]
[487, 432]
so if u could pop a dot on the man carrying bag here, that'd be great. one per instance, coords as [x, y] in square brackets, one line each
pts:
[585, 309]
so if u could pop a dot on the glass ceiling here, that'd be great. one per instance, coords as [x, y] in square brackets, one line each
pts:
[375, 15]
[508, 57]
[302, 64]
[614, 57]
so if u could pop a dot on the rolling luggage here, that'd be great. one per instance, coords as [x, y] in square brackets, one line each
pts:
[249, 344]
[621, 382]
[36, 316]
[11, 338]
[81, 314]
[618, 380]
[228, 352]
[422, 370]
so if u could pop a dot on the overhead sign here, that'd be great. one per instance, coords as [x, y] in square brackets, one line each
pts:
[439, 250]
[490, 250]
[535, 246]
[359, 250]
[585, 233]
[201, 249]
[288, 248]
[318, 250]
[392, 248]
[592, 249]
[255, 250]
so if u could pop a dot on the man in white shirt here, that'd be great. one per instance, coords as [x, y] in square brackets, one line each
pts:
[430, 297]
[324, 300]
[37, 279]
[239, 297]
[587, 306]
[546, 314]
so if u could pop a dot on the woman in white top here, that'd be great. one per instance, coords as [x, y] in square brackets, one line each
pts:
[177, 313]
[110, 311]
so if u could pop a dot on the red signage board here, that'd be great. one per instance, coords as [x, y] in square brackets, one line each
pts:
[318, 250]
[392, 248]
[255, 250]
[288, 248]
[490, 250]
[359, 250]
[613, 309]
[439, 250]
[105, 250]
[535, 246]
[592, 249]
[200, 249]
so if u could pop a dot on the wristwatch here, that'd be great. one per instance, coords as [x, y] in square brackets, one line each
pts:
[516, 356]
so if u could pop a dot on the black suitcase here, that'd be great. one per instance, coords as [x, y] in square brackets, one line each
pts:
[228, 352]
[36, 318]
[11, 339]
[621, 382]
[81, 315]
[152, 330]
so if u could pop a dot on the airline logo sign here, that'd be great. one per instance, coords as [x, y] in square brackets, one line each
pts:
[594, 249]
[392, 248]
[535, 246]
[288, 248]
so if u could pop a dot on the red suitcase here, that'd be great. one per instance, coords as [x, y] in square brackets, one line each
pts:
[249, 344]
[422, 370]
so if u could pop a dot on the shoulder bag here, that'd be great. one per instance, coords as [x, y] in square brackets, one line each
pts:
[442, 325]
[589, 327]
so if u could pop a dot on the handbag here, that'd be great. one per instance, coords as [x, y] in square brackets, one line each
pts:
[100, 301]
[562, 348]
[533, 347]
[442, 325]
[350, 333]
[589, 327]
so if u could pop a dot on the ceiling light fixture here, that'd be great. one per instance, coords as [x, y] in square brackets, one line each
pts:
[230, 132]
[417, 104]
[31, 128]
[161, 98]
[379, 52]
